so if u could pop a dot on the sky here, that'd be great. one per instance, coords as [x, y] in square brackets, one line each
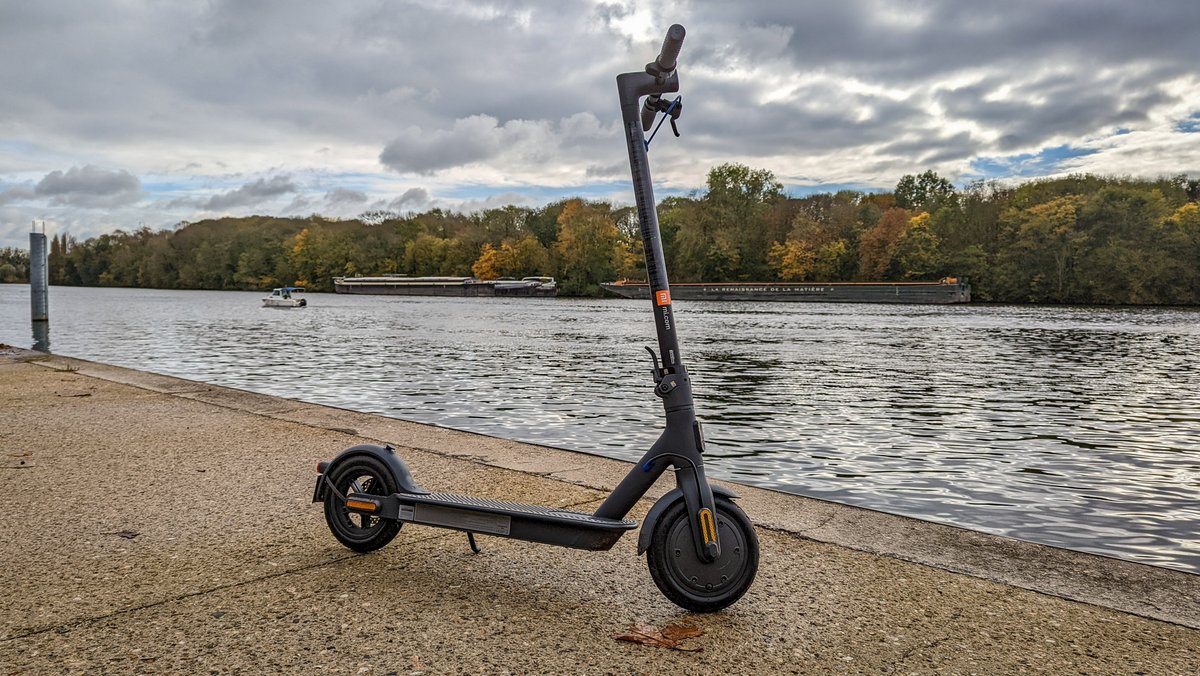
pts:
[119, 114]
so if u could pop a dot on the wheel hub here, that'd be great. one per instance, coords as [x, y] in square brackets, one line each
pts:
[706, 577]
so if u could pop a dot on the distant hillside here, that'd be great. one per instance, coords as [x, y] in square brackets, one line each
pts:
[1080, 239]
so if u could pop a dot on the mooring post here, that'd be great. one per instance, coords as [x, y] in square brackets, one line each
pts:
[39, 277]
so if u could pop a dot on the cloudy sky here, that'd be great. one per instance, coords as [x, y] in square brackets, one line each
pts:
[117, 114]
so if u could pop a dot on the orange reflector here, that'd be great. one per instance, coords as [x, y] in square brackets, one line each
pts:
[707, 528]
[361, 505]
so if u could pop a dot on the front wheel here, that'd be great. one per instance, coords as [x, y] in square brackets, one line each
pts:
[360, 532]
[694, 584]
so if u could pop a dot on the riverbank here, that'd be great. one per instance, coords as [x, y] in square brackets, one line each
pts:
[159, 524]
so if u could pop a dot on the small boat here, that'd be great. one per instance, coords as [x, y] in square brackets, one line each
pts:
[284, 297]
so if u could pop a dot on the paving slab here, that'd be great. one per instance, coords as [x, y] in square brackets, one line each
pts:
[163, 526]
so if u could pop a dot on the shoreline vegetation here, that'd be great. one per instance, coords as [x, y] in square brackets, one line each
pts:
[1079, 240]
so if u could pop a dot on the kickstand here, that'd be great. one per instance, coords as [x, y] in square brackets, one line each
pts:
[471, 541]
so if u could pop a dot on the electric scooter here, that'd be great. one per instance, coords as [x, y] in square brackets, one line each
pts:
[701, 548]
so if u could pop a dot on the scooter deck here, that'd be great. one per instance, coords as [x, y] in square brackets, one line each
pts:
[515, 520]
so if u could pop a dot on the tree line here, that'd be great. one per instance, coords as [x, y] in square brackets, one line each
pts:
[1080, 239]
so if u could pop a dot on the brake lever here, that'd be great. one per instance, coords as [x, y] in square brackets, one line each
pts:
[672, 110]
[657, 369]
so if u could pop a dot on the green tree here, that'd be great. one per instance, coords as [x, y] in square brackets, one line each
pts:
[1122, 222]
[727, 239]
[925, 192]
[1176, 279]
[1040, 264]
[525, 258]
[14, 265]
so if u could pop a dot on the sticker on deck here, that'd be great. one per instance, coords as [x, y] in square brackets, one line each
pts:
[662, 297]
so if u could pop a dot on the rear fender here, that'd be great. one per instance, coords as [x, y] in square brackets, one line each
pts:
[385, 454]
[662, 505]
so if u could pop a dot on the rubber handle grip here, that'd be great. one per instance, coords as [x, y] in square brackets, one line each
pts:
[669, 54]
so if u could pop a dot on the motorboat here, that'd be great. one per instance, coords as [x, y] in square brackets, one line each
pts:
[285, 297]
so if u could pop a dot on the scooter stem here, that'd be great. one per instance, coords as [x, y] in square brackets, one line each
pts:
[631, 87]
[681, 444]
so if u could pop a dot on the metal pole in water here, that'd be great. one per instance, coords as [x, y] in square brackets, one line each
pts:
[39, 276]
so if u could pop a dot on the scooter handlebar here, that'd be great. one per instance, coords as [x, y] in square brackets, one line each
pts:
[668, 56]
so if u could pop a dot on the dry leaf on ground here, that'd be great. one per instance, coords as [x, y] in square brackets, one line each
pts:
[669, 637]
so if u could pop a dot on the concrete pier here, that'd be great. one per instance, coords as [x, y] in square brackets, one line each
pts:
[153, 524]
[39, 278]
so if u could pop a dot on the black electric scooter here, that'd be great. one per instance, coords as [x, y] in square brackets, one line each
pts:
[700, 547]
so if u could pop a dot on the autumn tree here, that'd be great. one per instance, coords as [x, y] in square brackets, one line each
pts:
[792, 261]
[917, 253]
[877, 245]
[487, 266]
[524, 258]
[586, 248]
[812, 251]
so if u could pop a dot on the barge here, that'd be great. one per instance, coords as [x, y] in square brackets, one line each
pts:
[947, 290]
[397, 285]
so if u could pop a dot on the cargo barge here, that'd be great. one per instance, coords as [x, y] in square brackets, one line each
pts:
[396, 285]
[948, 290]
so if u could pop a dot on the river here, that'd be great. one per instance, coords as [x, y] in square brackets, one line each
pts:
[1075, 427]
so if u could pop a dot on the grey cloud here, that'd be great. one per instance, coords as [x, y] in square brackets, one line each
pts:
[90, 186]
[16, 193]
[1035, 112]
[413, 198]
[907, 42]
[608, 171]
[818, 118]
[470, 140]
[1102, 65]
[299, 206]
[494, 202]
[252, 193]
[932, 150]
[345, 197]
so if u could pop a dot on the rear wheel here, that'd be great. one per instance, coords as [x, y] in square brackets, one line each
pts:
[360, 532]
[687, 580]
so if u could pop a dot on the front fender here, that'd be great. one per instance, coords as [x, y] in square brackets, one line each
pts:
[661, 506]
[386, 455]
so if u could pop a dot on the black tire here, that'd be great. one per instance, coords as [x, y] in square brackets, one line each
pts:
[360, 532]
[691, 583]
